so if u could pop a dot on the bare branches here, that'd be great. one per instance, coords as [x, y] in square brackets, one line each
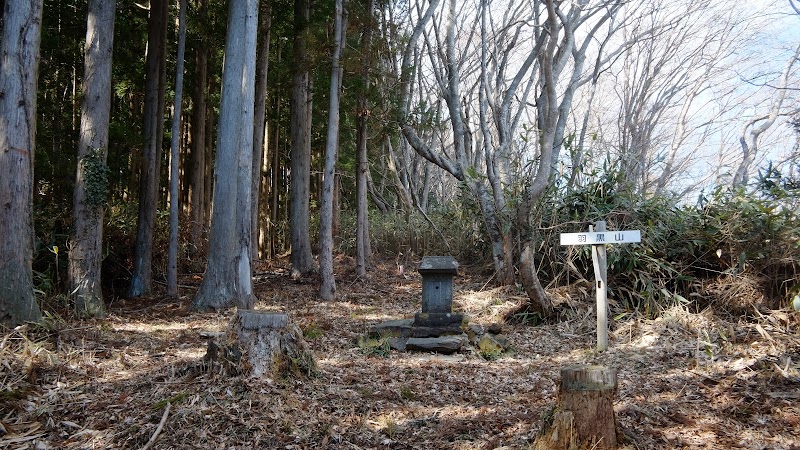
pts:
[795, 4]
[750, 140]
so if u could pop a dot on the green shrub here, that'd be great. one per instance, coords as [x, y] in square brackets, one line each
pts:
[748, 240]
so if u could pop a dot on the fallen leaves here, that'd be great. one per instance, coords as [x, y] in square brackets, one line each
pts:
[686, 380]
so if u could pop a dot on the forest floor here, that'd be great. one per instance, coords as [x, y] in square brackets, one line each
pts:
[686, 380]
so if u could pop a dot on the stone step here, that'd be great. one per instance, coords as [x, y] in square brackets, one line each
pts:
[443, 344]
[395, 328]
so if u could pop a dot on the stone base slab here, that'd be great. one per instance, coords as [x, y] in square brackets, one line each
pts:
[444, 344]
[433, 320]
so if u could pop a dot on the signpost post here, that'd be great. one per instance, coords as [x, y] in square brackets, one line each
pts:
[598, 237]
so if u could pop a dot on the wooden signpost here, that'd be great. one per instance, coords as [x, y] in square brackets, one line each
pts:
[598, 237]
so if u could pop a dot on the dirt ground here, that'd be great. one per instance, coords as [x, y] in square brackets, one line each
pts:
[685, 380]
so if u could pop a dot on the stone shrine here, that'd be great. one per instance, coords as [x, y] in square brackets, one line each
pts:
[437, 283]
[437, 328]
[437, 293]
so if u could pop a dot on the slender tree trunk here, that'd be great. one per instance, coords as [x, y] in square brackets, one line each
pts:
[363, 255]
[425, 189]
[400, 180]
[244, 199]
[258, 129]
[198, 159]
[500, 238]
[327, 290]
[227, 280]
[337, 208]
[362, 167]
[208, 154]
[141, 282]
[172, 260]
[276, 171]
[19, 69]
[302, 258]
[580, 153]
[91, 184]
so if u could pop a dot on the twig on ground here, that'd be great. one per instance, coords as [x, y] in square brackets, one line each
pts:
[488, 281]
[184, 286]
[159, 428]
[358, 277]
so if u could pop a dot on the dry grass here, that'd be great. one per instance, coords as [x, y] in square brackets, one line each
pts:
[686, 380]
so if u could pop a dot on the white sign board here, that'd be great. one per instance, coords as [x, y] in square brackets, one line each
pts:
[598, 239]
[601, 237]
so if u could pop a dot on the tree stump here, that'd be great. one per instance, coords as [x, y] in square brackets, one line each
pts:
[584, 413]
[263, 343]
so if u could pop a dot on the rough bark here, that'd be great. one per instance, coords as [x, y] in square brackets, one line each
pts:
[584, 413]
[502, 250]
[172, 258]
[302, 259]
[530, 281]
[337, 209]
[263, 344]
[91, 183]
[327, 289]
[208, 188]
[198, 138]
[362, 159]
[259, 125]
[244, 195]
[19, 69]
[155, 85]
[227, 280]
[277, 178]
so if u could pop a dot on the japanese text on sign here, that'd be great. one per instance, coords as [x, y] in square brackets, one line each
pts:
[601, 237]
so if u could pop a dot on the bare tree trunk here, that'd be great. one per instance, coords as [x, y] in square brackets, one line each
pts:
[91, 184]
[198, 159]
[208, 154]
[227, 280]
[362, 207]
[402, 192]
[500, 239]
[258, 130]
[425, 189]
[362, 164]
[141, 282]
[277, 172]
[579, 152]
[19, 69]
[375, 194]
[302, 258]
[172, 259]
[327, 290]
[337, 208]
[530, 281]
[750, 141]
[245, 297]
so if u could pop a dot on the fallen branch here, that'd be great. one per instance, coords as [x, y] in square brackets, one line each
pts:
[159, 428]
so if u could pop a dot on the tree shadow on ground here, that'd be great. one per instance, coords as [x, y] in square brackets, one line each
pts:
[106, 383]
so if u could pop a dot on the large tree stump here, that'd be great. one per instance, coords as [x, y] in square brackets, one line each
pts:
[584, 412]
[262, 343]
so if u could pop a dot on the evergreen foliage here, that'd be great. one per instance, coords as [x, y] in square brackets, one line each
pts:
[687, 250]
